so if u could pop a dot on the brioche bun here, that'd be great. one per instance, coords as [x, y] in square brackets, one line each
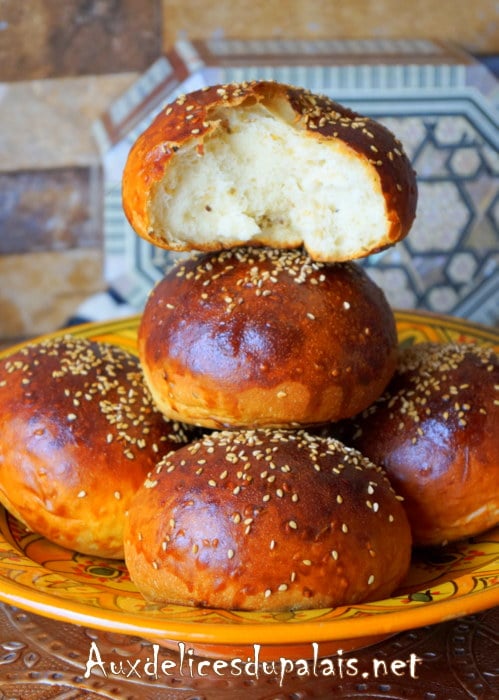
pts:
[435, 431]
[271, 164]
[78, 435]
[258, 337]
[266, 520]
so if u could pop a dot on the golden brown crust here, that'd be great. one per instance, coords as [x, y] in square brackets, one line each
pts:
[78, 434]
[435, 431]
[193, 118]
[266, 520]
[256, 337]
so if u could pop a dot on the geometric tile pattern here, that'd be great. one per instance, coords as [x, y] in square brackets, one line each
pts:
[443, 107]
[449, 263]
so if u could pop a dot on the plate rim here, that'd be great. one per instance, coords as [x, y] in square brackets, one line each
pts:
[297, 632]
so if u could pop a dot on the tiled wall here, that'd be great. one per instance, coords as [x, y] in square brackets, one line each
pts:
[63, 63]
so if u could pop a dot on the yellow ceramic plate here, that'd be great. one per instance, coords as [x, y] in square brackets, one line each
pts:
[457, 580]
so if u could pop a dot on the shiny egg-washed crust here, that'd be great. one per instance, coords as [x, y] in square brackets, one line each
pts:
[78, 435]
[266, 520]
[196, 117]
[435, 431]
[258, 337]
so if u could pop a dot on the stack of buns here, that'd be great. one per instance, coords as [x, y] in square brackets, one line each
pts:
[271, 448]
[277, 191]
[269, 329]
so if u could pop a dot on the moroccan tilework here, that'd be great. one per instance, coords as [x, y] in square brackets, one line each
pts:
[440, 103]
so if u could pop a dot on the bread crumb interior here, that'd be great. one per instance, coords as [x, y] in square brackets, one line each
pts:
[260, 178]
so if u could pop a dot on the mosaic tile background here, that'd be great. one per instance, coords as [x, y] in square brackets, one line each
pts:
[441, 103]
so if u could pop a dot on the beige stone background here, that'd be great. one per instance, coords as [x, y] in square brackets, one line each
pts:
[63, 62]
[474, 25]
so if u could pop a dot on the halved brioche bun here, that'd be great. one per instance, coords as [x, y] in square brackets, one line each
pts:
[78, 434]
[271, 164]
[266, 520]
[258, 337]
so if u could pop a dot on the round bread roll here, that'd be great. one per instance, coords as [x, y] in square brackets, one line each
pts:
[435, 431]
[78, 434]
[259, 337]
[266, 520]
[272, 164]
